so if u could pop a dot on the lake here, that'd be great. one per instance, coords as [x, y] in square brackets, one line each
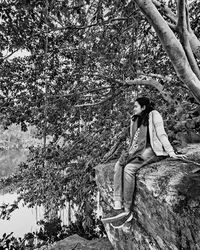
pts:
[24, 219]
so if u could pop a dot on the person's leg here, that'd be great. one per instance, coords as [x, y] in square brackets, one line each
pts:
[130, 175]
[117, 212]
[129, 183]
[128, 191]
[118, 186]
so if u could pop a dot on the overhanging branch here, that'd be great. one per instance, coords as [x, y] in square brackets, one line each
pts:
[154, 84]
[183, 25]
[166, 96]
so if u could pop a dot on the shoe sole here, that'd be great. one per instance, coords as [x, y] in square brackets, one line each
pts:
[114, 218]
[120, 226]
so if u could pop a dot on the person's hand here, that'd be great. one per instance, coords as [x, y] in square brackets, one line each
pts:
[179, 156]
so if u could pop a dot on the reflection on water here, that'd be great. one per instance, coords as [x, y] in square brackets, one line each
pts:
[23, 220]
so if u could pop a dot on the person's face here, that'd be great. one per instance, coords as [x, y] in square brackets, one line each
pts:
[137, 109]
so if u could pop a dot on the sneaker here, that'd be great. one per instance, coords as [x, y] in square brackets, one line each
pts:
[114, 215]
[120, 222]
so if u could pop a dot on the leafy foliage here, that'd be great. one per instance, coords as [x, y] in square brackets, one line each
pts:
[14, 145]
[50, 232]
[71, 86]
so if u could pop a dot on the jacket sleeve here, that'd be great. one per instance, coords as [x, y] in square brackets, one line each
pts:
[133, 128]
[160, 131]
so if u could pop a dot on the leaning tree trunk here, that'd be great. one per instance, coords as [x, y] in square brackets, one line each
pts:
[172, 46]
[194, 43]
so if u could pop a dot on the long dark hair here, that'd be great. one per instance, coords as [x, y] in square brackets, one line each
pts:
[143, 118]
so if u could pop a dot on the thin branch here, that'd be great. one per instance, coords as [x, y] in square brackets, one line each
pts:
[94, 104]
[111, 95]
[53, 18]
[80, 93]
[91, 25]
[6, 57]
[167, 78]
[75, 27]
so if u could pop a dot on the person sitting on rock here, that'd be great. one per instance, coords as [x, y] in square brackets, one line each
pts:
[148, 143]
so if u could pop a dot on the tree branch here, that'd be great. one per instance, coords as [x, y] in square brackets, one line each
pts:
[154, 84]
[91, 25]
[167, 10]
[167, 78]
[80, 93]
[194, 42]
[151, 82]
[127, 83]
[172, 46]
[182, 27]
[93, 104]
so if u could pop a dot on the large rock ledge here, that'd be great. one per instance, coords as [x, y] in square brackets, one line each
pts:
[166, 208]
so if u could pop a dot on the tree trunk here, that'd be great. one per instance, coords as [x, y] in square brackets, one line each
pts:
[172, 46]
[194, 43]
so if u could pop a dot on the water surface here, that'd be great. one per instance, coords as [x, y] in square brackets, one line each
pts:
[22, 221]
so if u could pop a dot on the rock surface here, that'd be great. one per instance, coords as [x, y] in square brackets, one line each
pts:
[75, 242]
[166, 206]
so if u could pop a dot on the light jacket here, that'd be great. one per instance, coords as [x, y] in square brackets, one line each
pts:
[158, 137]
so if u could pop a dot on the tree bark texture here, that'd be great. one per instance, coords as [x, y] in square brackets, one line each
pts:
[194, 43]
[172, 46]
[166, 209]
